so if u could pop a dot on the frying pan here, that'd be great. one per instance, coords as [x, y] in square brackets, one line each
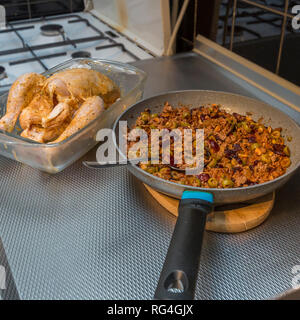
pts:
[179, 274]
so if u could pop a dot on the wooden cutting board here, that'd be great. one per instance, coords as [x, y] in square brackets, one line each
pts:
[228, 218]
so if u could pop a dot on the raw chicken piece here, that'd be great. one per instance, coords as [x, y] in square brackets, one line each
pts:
[43, 135]
[20, 95]
[60, 130]
[60, 114]
[39, 107]
[57, 89]
[81, 83]
[90, 110]
[42, 104]
[47, 106]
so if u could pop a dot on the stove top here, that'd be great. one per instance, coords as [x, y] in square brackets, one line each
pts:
[36, 45]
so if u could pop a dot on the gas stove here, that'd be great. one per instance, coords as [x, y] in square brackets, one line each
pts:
[36, 45]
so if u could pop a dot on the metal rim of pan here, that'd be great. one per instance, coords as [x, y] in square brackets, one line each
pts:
[286, 174]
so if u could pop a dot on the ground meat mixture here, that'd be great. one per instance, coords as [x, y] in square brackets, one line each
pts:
[239, 151]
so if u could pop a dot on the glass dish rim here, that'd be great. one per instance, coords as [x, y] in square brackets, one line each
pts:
[30, 143]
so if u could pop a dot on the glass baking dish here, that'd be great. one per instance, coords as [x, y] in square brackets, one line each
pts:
[55, 157]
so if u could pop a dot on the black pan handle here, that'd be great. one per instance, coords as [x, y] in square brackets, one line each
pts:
[179, 274]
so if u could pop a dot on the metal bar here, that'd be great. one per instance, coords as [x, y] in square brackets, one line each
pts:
[18, 29]
[232, 24]
[66, 38]
[166, 23]
[78, 19]
[229, 3]
[245, 14]
[286, 7]
[176, 27]
[18, 35]
[111, 46]
[41, 57]
[267, 21]
[174, 13]
[25, 45]
[29, 8]
[195, 21]
[87, 23]
[37, 58]
[264, 7]
[71, 42]
[111, 34]
[52, 45]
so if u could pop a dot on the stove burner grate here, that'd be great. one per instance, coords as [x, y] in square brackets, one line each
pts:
[52, 30]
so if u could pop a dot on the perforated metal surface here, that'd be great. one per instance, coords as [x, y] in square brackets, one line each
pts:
[73, 240]
[98, 234]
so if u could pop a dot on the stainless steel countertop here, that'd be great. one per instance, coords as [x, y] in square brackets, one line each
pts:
[98, 234]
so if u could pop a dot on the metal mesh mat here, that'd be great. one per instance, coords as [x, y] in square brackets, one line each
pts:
[98, 234]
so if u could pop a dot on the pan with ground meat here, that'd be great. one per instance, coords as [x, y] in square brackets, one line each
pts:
[239, 151]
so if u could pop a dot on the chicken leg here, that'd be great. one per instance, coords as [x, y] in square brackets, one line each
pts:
[20, 95]
[89, 110]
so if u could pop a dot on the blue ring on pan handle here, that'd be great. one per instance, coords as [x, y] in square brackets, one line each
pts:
[189, 194]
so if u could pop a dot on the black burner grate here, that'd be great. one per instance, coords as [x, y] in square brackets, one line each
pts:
[56, 29]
